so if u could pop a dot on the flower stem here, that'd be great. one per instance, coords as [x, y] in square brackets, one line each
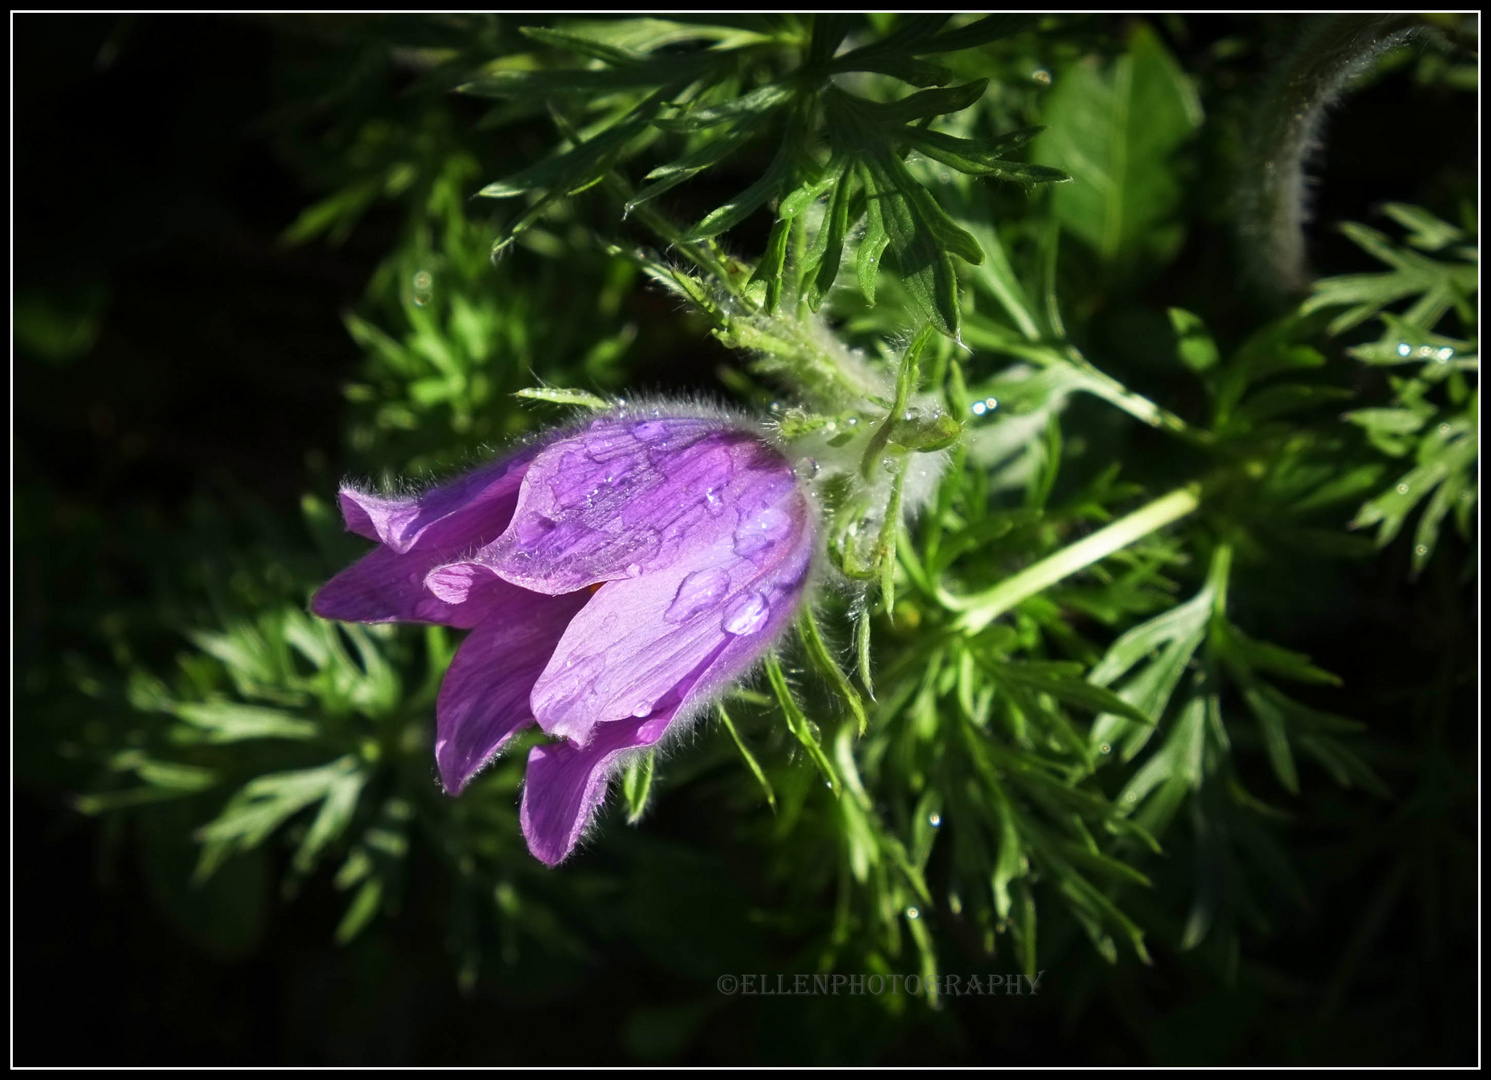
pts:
[979, 610]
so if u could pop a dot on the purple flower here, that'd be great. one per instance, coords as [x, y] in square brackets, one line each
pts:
[613, 580]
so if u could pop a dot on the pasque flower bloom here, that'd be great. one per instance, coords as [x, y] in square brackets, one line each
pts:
[614, 578]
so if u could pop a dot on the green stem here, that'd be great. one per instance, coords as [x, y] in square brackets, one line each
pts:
[831, 380]
[979, 610]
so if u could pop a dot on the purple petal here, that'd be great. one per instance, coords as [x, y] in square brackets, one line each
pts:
[463, 513]
[565, 785]
[388, 585]
[484, 698]
[384, 586]
[629, 498]
[641, 643]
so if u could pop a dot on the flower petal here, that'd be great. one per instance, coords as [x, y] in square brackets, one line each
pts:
[463, 513]
[565, 785]
[384, 586]
[626, 498]
[484, 698]
[639, 644]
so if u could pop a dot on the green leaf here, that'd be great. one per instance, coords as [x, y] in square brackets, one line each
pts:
[977, 158]
[558, 396]
[749, 758]
[743, 205]
[360, 911]
[799, 724]
[636, 785]
[751, 107]
[1117, 132]
[226, 722]
[1065, 682]
[267, 802]
[1193, 341]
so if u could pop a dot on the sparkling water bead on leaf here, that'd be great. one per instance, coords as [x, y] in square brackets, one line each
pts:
[615, 579]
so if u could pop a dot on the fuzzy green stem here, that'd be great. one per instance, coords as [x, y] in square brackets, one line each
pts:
[980, 610]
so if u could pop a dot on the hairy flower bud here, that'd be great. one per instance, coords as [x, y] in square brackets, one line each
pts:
[614, 579]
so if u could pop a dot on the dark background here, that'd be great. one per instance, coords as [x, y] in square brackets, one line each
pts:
[148, 187]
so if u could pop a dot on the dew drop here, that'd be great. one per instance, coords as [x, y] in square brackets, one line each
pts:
[1444, 429]
[888, 464]
[642, 710]
[1041, 76]
[1444, 355]
[699, 591]
[912, 913]
[1105, 749]
[806, 469]
[978, 408]
[1421, 551]
[1404, 349]
[633, 570]
[746, 615]
[767, 528]
[1402, 489]
[574, 684]
[852, 421]
[1131, 797]
[423, 284]
[934, 820]
[991, 403]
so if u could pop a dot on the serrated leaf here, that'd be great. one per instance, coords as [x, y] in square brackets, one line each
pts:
[1117, 132]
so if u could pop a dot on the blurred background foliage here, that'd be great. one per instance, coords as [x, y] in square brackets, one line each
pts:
[1141, 781]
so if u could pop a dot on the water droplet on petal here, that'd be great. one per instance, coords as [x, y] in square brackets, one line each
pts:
[746, 614]
[767, 528]
[806, 469]
[642, 710]
[574, 684]
[699, 591]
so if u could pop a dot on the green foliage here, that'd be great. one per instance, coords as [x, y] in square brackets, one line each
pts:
[1433, 419]
[773, 80]
[1117, 132]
